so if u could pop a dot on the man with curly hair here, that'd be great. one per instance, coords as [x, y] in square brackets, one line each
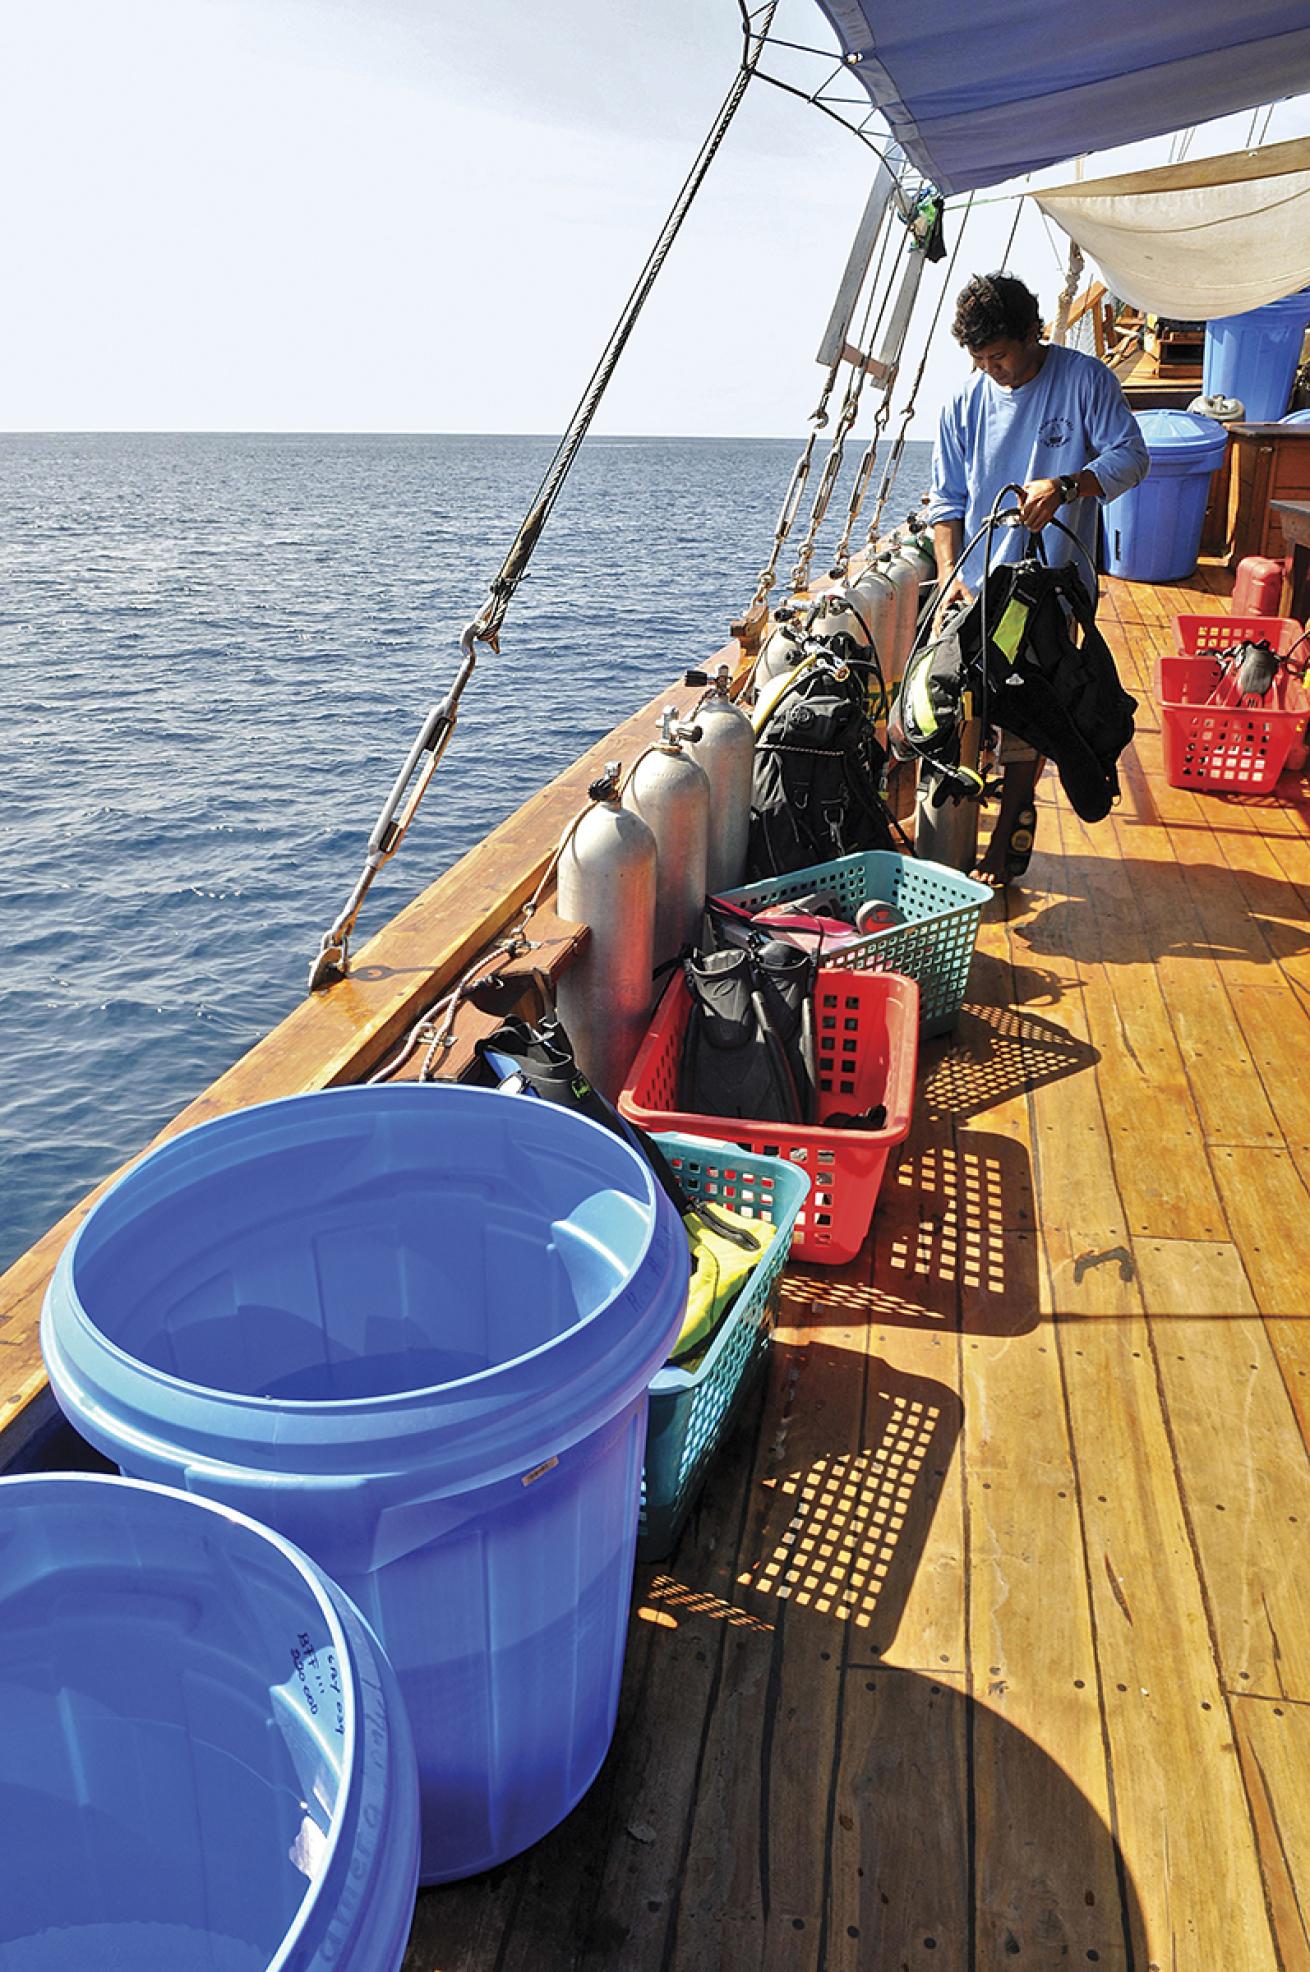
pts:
[1043, 417]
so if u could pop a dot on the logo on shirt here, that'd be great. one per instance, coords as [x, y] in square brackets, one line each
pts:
[1056, 431]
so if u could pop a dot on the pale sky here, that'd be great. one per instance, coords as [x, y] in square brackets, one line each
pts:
[418, 215]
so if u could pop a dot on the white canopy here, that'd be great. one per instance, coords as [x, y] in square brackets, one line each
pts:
[1192, 241]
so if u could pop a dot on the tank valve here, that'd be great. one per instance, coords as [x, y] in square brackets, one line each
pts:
[718, 686]
[607, 787]
[674, 732]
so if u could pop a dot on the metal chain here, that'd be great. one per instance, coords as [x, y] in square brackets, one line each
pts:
[401, 805]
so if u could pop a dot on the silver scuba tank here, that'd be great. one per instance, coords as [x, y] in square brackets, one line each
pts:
[781, 649]
[945, 832]
[906, 584]
[879, 605]
[607, 882]
[917, 554]
[672, 796]
[837, 613]
[726, 752]
[917, 548]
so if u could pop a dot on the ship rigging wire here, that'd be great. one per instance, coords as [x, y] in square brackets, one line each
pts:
[398, 810]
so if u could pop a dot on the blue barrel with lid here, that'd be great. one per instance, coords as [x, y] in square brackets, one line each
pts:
[413, 1329]
[1254, 355]
[1153, 532]
[205, 1764]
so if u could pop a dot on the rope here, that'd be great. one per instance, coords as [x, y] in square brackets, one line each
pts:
[398, 810]
[486, 625]
[1067, 293]
[1009, 244]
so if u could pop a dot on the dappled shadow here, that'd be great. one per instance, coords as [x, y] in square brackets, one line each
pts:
[1146, 910]
[844, 1526]
[999, 1052]
[953, 1245]
[777, 1793]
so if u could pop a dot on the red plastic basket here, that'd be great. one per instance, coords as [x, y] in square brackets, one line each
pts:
[866, 1030]
[1231, 749]
[1195, 635]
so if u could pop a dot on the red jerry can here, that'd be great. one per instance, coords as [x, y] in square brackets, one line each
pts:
[1258, 589]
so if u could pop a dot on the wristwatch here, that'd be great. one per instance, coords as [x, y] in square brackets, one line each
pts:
[1068, 489]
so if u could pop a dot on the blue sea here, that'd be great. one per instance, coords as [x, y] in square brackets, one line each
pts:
[215, 651]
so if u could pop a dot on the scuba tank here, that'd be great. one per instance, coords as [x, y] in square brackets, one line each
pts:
[671, 794]
[607, 882]
[781, 649]
[726, 752]
[945, 830]
[876, 599]
[917, 548]
[916, 551]
[906, 584]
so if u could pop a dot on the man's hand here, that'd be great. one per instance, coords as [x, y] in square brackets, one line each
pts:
[1040, 503]
[957, 593]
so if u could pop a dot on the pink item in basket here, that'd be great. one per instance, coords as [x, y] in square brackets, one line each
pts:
[811, 933]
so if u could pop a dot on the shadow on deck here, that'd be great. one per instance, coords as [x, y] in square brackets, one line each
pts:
[778, 1794]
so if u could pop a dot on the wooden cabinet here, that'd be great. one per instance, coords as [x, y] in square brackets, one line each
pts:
[1267, 462]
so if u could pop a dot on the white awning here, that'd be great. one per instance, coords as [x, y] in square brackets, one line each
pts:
[1192, 241]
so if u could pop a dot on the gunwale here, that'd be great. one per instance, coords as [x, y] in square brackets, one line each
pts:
[989, 1639]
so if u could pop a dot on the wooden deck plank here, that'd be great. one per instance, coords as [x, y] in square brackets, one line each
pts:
[1274, 1744]
[1154, 1127]
[1242, 1463]
[755, 1859]
[1179, 1804]
[1275, 1026]
[901, 1864]
[1039, 1756]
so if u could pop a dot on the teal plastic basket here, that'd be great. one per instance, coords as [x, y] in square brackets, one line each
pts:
[940, 910]
[690, 1410]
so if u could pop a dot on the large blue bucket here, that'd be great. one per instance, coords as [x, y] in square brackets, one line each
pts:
[1254, 356]
[1153, 532]
[204, 1759]
[413, 1329]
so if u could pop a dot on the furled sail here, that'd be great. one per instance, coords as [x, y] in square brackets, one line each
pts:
[977, 91]
[1196, 240]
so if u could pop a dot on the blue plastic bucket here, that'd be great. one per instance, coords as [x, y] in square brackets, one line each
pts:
[1153, 532]
[411, 1328]
[1254, 356]
[204, 1760]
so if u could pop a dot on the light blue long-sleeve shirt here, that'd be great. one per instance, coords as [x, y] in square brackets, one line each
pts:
[1070, 415]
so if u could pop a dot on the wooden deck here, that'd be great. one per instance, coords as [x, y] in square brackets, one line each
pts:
[989, 1643]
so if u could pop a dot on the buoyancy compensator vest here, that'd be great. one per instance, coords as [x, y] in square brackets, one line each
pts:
[1046, 675]
[817, 769]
